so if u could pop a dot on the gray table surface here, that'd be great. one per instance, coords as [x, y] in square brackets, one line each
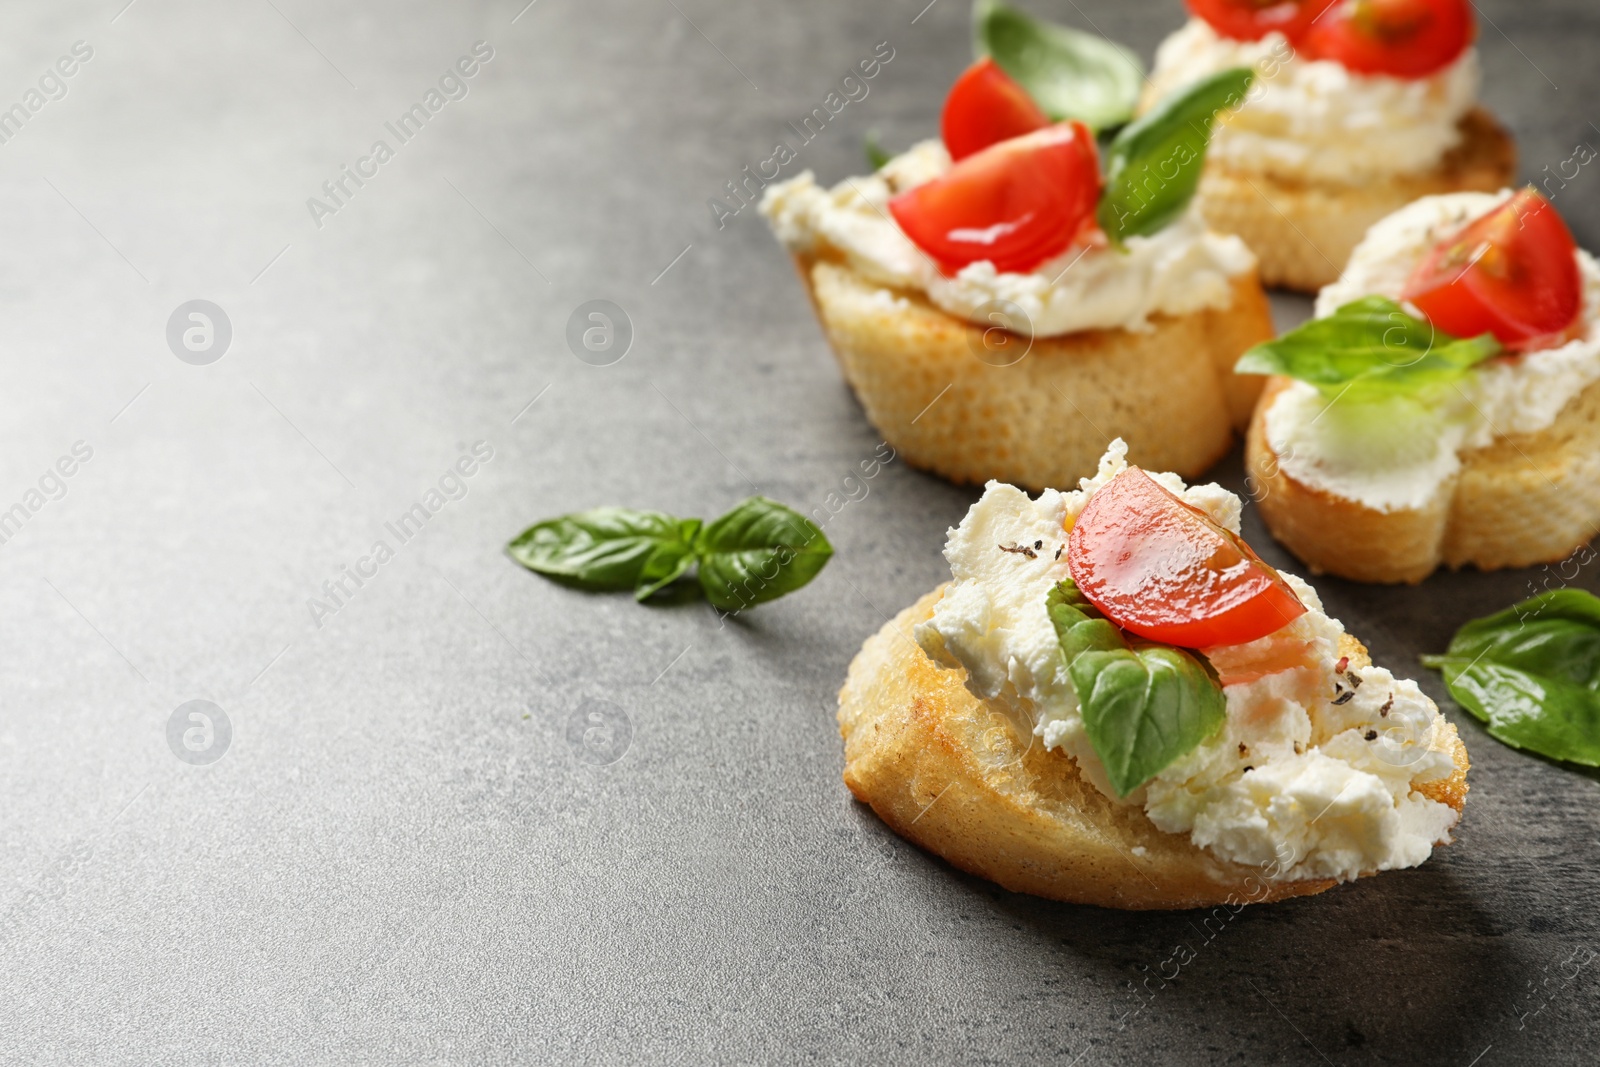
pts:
[400, 855]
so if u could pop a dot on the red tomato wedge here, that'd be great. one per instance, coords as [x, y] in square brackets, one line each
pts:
[1512, 273]
[985, 107]
[1403, 38]
[1251, 20]
[1161, 569]
[1016, 203]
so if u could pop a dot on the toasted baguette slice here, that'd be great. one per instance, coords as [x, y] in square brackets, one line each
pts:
[954, 775]
[1303, 232]
[1523, 499]
[1170, 392]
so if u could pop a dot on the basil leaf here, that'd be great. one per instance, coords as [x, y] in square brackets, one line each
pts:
[1153, 166]
[876, 155]
[1532, 674]
[670, 561]
[757, 552]
[1069, 74]
[602, 549]
[1369, 348]
[1144, 705]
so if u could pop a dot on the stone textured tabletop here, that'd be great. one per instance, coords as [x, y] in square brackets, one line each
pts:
[389, 848]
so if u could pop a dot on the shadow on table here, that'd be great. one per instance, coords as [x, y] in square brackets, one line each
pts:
[1406, 967]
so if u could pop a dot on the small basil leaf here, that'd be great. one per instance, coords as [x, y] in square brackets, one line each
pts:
[758, 552]
[1531, 673]
[1079, 625]
[670, 561]
[1153, 166]
[1144, 705]
[602, 549]
[1144, 708]
[1368, 349]
[1069, 74]
[876, 155]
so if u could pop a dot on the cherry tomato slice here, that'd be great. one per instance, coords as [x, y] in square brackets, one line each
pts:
[986, 106]
[1161, 569]
[1251, 20]
[1016, 203]
[1403, 38]
[1512, 273]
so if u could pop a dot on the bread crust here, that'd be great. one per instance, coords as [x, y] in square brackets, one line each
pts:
[1045, 420]
[1303, 232]
[956, 776]
[1523, 499]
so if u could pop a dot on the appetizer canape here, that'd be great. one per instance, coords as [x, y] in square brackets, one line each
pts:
[1115, 702]
[1460, 427]
[1002, 310]
[1359, 108]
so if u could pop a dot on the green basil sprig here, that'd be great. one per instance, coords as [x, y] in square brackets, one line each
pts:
[1370, 349]
[877, 155]
[603, 549]
[1069, 74]
[1153, 165]
[1144, 705]
[755, 553]
[1532, 674]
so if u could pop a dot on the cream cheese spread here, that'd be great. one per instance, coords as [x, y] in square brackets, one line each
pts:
[1293, 781]
[1400, 454]
[1179, 270]
[1315, 120]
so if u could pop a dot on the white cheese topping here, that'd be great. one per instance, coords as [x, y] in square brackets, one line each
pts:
[1316, 120]
[1402, 453]
[1177, 271]
[1289, 772]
